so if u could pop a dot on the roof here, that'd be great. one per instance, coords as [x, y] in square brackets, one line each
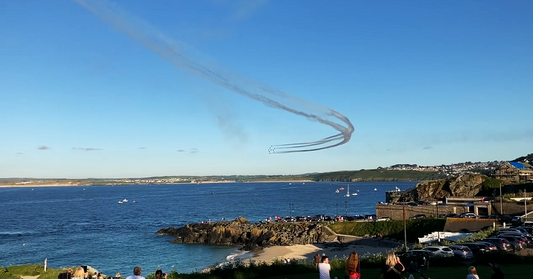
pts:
[518, 165]
[469, 224]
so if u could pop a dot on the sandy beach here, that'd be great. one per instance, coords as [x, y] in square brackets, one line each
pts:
[307, 252]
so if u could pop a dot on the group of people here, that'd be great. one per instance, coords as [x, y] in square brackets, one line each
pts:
[353, 269]
[392, 269]
[82, 273]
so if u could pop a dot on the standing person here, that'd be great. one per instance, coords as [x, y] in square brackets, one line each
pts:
[160, 275]
[393, 267]
[353, 268]
[79, 273]
[498, 274]
[317, 260]
[136, 273]
[324, 268]
[472, 273]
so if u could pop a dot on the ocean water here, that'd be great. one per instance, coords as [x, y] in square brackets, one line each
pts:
[85, 225]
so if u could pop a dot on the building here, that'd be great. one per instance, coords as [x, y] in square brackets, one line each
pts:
[514, 172]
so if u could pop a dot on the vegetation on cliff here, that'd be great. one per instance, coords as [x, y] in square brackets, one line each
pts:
[527, 158]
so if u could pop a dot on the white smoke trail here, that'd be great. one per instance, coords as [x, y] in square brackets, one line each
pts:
[175, 53]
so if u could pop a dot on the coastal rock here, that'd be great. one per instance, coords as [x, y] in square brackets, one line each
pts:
[467, 185]
[251, 236]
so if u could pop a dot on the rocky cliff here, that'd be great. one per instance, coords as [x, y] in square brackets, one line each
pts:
[251, 236]
[467, 185]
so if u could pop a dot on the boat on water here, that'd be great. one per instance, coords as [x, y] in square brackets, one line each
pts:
[348, 191]
[354, 194]
[375, 189]
[123, 201]
[337, 191]
[341, 188]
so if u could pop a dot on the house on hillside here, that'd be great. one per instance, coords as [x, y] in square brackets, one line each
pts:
[514, 172]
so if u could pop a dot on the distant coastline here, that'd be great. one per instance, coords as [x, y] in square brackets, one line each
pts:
[70, 184]
[398, 172]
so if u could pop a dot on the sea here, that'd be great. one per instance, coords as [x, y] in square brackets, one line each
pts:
[86, 225]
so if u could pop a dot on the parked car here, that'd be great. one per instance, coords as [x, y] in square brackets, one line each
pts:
[519, 230]
[467, 215]
[348, 218]
[517, 242]
[443, 251]
[421, 257]
[462, 252]
[415, 254]
[526, 232]
[489, 247]
[476, 248]
[501, 243]
[522, 237]
[505, 218]
[370, 217]
[526, 229]
[418, 216]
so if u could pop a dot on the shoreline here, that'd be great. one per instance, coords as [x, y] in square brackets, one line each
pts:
[307, 252]
[138, 184]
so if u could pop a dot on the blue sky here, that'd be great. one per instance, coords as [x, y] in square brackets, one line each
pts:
[423, 82]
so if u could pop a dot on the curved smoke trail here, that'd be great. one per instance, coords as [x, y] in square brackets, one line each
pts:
[174, 52]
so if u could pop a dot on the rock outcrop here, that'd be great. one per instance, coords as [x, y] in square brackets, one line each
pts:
[251, 236]
[467, 185]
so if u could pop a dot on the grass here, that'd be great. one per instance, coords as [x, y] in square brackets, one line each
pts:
[14, 272]
[295, 271]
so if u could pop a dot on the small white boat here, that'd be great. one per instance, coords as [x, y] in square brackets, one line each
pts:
[120, 202]
[124, 200]
[348, 191]
[375, 189]
[354, 194]
[337, 191]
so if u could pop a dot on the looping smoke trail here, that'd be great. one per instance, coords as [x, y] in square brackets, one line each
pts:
[175, 53]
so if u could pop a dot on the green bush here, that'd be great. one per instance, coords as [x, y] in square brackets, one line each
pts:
[491, 183]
